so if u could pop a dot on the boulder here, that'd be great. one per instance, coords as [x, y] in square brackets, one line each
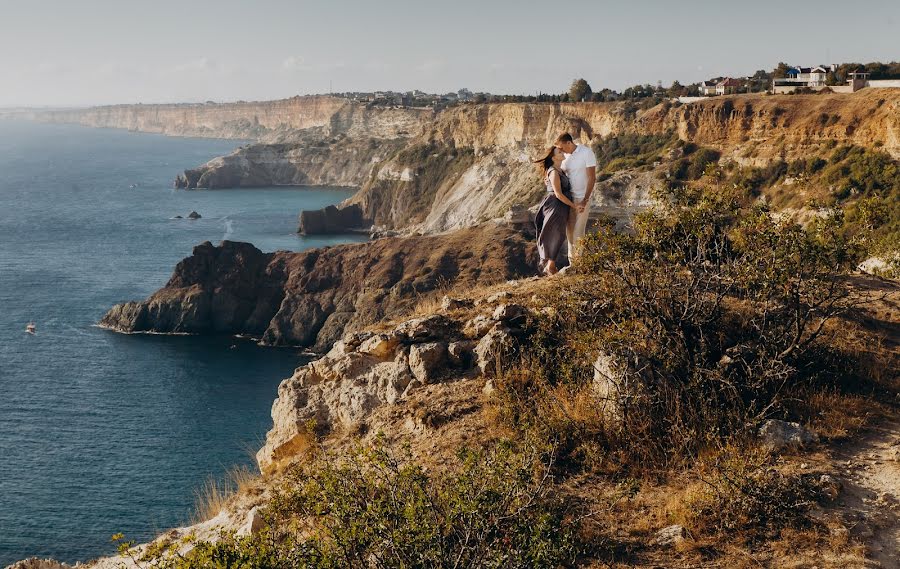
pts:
[611, 388]
[449, 303]
[194, 215]
[332, 220]
[670, 535]
[381, 346]
[512, 314]
[253, 524]
[432, 327]
[494, 349]
[498, 296]
[779, 435]
[460, 353]
[479, 326]
[427, 361]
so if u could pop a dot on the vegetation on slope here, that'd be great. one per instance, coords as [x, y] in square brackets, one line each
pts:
[664, 353]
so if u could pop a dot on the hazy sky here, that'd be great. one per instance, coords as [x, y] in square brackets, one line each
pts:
[69, 52]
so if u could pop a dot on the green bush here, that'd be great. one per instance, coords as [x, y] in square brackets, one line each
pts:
[710, 314]
[618, 152]
[497, 509]
[692, 165]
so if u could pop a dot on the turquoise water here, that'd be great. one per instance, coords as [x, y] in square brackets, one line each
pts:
[101, 432]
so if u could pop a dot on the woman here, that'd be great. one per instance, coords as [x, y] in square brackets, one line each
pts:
[553, 214]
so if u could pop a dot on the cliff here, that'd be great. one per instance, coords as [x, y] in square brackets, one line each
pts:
[418, 169]
[270, 121]
[309, 298]
[471, 163]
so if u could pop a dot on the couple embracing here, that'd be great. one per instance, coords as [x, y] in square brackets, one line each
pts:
[569, 171]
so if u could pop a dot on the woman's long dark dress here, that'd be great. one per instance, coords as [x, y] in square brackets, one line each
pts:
[551, 219]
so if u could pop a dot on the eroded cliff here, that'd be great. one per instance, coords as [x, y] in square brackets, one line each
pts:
[434, 171]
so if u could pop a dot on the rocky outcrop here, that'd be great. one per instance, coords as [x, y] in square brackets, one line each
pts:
[310, 298]
[368, 370]
[332, 220]
[316, 160]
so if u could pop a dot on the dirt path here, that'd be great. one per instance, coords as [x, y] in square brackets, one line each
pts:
[870, 470]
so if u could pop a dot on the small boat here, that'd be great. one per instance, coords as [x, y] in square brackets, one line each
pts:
[31, 328]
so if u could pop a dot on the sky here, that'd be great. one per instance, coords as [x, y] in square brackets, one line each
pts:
[92, 52]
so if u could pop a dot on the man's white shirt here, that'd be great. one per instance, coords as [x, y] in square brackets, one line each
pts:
[575, 166]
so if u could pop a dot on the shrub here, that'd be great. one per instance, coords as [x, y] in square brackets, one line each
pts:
[371, 510]
[742, 493]
[703, 321]
[617, 152]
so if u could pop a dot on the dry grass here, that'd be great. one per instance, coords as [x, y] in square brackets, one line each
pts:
[214, 495]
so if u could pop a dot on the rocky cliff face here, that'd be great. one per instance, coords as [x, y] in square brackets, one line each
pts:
[432, 172]
[473, 162]
[310, 298]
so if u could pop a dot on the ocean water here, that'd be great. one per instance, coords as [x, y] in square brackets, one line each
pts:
[102, 432]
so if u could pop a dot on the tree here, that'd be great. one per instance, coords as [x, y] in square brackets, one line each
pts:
[781, 70]
[579, 91]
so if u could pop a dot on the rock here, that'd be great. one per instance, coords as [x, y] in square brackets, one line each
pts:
[479, 326]
[177, 217]
[427, 361]
[382, 233]
[489, 388]
[498, 296]
[431, 327]
[494, 350]
[448, 304]
[671, 535]
[194, 215]
[880, 266]
[512, 314]
[461, 354]
[333, 393]
[381, 346]
[778, 435]
[36, 563]
[611, 387]
[830, 486]
[332, 220]
[254, 523]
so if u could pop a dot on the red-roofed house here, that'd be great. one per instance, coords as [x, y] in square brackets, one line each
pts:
[728, 86]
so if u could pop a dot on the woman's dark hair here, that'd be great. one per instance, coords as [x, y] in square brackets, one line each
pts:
[546, 161]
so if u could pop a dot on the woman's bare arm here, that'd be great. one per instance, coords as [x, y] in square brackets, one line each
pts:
[557, 189]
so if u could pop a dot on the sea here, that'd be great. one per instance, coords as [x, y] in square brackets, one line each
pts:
[100, 432]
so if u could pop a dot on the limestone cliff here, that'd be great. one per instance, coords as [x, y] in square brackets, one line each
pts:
[436, 171]
[310, 298]
[268, 121]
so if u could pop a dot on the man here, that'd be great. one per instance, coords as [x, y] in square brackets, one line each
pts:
[580, 166]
